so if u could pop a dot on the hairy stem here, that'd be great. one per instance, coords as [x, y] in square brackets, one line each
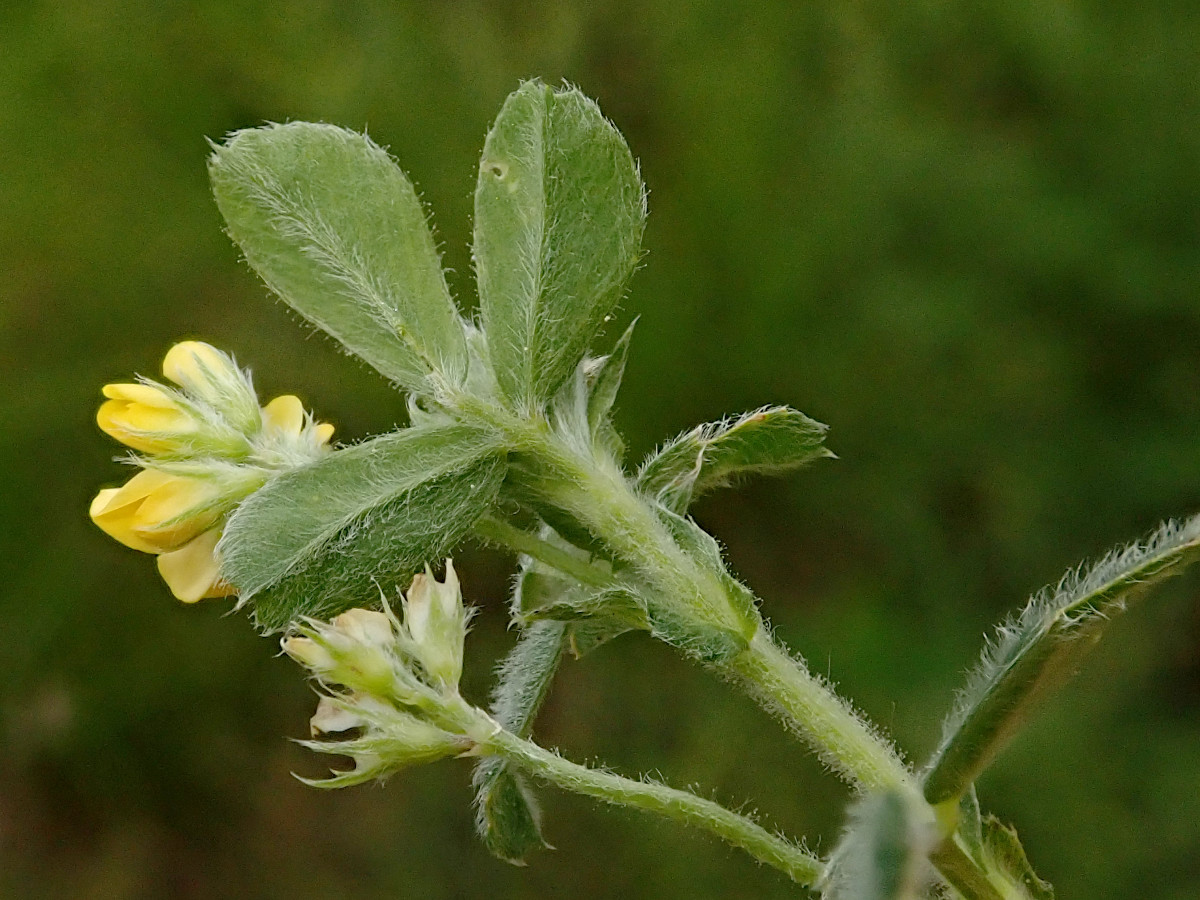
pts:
[603, 498]
[686, 808]
[774, 679]
[844, 741]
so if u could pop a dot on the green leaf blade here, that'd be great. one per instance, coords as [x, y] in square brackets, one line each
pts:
[767, 441]
[328, 536]
[1004, 854]
[729, 633]
[335, 228]
[605, 375]
[884, 854]
[1040, 649]
[506, 814]
[559, 215]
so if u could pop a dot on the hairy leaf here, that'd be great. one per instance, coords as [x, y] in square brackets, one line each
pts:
[328, 536]
[884, 854]
[767, 441]
[586, 635]
[559, 214]
[1039, 650]
[579, 603]
[334, 228]
[1004, 853]
[716, 641]
[506, 813]
[605, 374]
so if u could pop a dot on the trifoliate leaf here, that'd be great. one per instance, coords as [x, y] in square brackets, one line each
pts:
[334, 227]
[559, 214]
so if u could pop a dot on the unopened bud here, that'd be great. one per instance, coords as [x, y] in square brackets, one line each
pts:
[213, 378]
[437, 621]
[357, 649]
[389, 738]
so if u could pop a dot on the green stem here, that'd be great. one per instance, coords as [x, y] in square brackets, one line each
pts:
[963, 873]
[602, 497]
[505, 535]
[683, 807]
[844, 741]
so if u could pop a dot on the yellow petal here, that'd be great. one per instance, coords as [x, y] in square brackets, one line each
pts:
[151, 511]
[115, 510]
[101, 501]
[151, 429]
[146, 394]
[178, 511]
[285, 414]
[119, 414]
[144, 417]
[192, 572]
[324, 433]
[174, 497]
[136, 488]
[190, 362]
[116, 525]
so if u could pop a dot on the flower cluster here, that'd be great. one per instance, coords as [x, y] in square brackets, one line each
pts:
[204, 445]
[391, 687]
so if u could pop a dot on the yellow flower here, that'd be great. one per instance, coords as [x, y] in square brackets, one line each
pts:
[215, 446]
[156, 512]
[175, 516]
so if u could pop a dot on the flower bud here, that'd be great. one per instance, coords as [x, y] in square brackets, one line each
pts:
[389, 738]
[212, 377]
[358, 649]
[437, 621]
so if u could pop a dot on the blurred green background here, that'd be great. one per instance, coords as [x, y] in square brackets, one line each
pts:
[963, 234]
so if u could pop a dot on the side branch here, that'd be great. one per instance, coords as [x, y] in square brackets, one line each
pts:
[801, 866]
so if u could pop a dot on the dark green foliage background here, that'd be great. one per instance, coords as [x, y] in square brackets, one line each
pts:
[965, 235]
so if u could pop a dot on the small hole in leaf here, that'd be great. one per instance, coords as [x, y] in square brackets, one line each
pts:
[496, 167]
